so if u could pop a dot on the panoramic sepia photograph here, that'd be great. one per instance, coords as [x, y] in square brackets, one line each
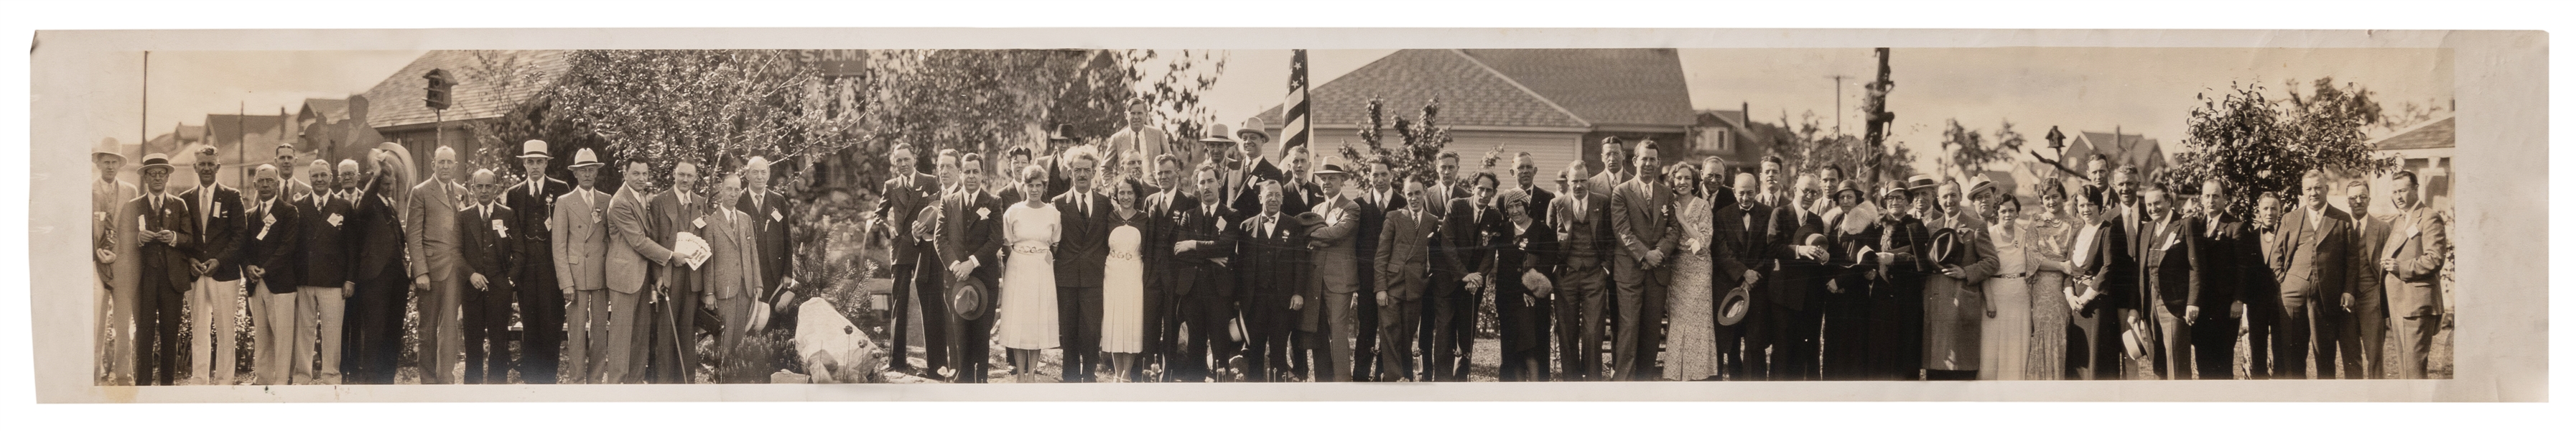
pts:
[1132, 216]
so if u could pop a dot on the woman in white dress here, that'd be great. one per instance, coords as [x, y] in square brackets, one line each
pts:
[1692, 305]
[2007, 330]
[1027, 319]
[1122, 293]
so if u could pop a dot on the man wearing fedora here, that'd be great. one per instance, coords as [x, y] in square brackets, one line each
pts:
[969, 249]
[430, 228]
[541, 302]
[579, 238]
[217, 264]
[1332, 247]
[107, 198]
[1225, 154]
[163, 231]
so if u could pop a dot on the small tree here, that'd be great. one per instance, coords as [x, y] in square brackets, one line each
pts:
[2261, 145]
[1419, 140]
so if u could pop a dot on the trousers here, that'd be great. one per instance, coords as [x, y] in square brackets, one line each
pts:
[920, 284]
[442, 327]
[156, 332]
[487, 335]
[212, 307]
[273, 319]
[2213, 345]
[2415, 344]
[1641, 329]
[1580, 302]
[317, 333]
[586, 336]
[541, 332]
[1397, 322]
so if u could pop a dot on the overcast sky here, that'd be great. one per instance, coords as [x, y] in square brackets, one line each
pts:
[2140, 90]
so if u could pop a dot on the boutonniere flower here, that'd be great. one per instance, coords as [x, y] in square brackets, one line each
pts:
[335, 220]
[983, 213]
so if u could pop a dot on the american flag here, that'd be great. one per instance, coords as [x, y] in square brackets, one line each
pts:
[1295, 130]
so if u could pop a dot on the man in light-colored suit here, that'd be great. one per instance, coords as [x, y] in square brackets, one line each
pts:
[2309, 259]
[581, 250]
[1641, 220]
[2369, 295]
[430, 240]
[107, 198]
[633, 257]
[2412, 259]
[732, 276]
[1336, 271]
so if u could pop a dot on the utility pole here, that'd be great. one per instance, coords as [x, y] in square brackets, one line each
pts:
[1838, 102]
[143, 130]
[1879, 118]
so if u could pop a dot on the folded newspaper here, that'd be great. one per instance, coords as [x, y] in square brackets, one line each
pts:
[692, 250]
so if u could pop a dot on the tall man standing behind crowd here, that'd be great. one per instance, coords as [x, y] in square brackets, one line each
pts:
[430, 228]
[1641, 219]
[541, 303]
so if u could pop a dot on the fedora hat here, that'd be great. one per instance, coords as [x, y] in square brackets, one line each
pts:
[1332, 165]
[1062, 132]
[1255, 127]
[584, 158]
[1980, 183]
[156, 160]
[1732, 308]
[1920, 181]
[967, 299]
[534, 149]
[1216, 135]
[107, 147]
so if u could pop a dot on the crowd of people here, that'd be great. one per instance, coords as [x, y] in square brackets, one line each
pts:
[1225, 264]
[603, 288]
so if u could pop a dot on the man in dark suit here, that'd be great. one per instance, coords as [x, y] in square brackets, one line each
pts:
[322, 259]
[971, 239]
[1641, 220]
[2369, 328]
[904, 196]
[1271, 249]
[1161, 273]
[541, 302]
[268, 262]
[2412, 258]
[1740, 249]
[2103, 284]
[382, 282]
[1461, 268]
[1202, 246]
[2230, 274]
[1793, 292]
[1081, 253]
[1446, 187]
[768, 211]
[216, 261]
[1402, 262]
[1582, 219]
[2171, 265]
[2310, 261]
[673, 357]
[1373, 204]
[488, 236]
[164, 230]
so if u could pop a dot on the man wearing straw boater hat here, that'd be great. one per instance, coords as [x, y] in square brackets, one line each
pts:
[107, 198]
[217, 265]
[164, 228]
[579, 237]
[531, 201]
[430, 228]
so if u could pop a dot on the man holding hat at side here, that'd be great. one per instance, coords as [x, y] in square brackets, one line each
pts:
[531, 202]
[107, 198]
[163, 230]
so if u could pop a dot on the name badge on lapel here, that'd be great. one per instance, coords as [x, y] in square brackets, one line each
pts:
[700, 222]
[335, 220]
[774, 215]
[983, 213]
[498, 228]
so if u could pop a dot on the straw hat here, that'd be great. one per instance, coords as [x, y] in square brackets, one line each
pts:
[534, 149]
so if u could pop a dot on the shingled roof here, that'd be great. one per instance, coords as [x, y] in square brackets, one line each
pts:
[325, 110]
[2434, 134]
[1541, 88]
[523, 74]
